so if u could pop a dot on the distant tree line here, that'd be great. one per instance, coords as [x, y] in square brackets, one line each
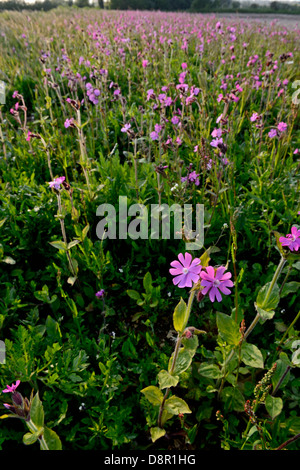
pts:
[163, 5]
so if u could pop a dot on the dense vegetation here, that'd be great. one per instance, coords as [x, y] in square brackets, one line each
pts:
[161, 108]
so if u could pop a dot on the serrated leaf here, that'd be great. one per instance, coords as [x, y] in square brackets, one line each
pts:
[166, 380]
[273, 406]
[153, 394]
[175, 405]
[180, 318]
[252, 356]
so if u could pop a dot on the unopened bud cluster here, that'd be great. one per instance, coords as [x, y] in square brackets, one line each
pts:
[263, 387]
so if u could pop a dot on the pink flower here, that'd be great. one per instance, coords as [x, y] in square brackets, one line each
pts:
[296, 151]
[282, 126]
[57, 182]
[11, 388]
[217, 133]
[100, 293]
[254, 117]
[69, 123]
[186, 270]
[272, 133]
[214, 281]
[145, 63]
[28, 136]
[126, 127]
[184, 65]
[154, 135]
[292, 240]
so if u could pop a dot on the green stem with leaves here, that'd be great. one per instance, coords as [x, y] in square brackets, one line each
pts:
[175, 356]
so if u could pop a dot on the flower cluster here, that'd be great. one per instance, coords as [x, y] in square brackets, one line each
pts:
[212, 281]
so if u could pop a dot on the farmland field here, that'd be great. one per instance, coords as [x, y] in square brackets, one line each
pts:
[123, 327]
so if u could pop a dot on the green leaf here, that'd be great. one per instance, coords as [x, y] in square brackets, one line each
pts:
[289, 288]
[37, 411]
[211, 371]
[153, 394]
[59, 245]
[274, 406]
[52, 440]
[252, 356]
[150, 339]
[233, 398]
[264, 314]
[228, 329]
[133, 294]
[183, 361]
[176, 405]
[72, 243]
[179, 316]
[167, 380]
[156, 433]
[31, 437]
[147, 282]
[268, 303]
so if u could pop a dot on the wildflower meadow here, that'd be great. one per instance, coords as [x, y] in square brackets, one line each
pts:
[149, 232]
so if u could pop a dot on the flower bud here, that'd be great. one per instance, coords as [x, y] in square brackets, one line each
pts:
[17, 398]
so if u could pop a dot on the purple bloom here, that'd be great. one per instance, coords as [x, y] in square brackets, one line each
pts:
[292, 240]
[216, 142]
[154, 135]
[186, 270]
[57, 182]
[254, 117]
[126, 127]
[194, 178]
[272, 133]
[175, 120]
[214, 281]
[282, 126]
[68, 123]
[11, 388]
[217, 133]
[100, 293]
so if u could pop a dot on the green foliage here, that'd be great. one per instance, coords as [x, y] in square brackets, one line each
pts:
[126, 370]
